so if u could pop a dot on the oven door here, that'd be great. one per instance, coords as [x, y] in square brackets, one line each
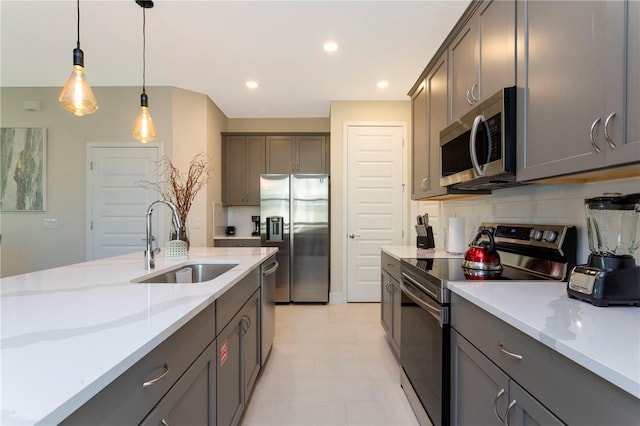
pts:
[424, 354]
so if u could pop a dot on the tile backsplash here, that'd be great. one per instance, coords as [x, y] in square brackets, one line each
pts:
[537, 203]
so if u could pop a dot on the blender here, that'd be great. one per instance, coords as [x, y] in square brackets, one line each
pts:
[611, 276]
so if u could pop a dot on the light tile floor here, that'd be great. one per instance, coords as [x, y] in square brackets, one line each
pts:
[329, 365]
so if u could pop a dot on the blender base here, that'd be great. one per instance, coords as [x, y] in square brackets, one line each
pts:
[616, 287]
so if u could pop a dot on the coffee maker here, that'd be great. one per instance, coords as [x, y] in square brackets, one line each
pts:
[611, 276]
[256, 226]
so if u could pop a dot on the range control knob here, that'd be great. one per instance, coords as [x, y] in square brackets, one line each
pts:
[550, 236]
[491, 229]
[535, 234]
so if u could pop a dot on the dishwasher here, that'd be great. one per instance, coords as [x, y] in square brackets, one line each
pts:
[268, 307]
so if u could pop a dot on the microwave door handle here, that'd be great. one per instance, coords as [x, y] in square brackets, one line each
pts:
[472, 144]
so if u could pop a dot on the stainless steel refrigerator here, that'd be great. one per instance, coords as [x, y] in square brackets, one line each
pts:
[294, 215]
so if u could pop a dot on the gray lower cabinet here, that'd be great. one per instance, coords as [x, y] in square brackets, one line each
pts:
[192, 400]
[390, 298]
[131, 397]
[579, 74]
[484, 395]
[498, 371]
[238, 362]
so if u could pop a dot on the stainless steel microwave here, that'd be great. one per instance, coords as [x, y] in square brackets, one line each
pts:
[478, 151]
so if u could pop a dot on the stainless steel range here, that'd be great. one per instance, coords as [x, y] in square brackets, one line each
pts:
[527, 253]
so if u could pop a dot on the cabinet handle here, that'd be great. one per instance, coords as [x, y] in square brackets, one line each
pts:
[511, 354]
[164, 422]
[473, 97]
[246, 321]
[495, 405]
[152, 381]
[423, 184]
[506, 417]
[593, 142]
[606, 130]
[468, 99]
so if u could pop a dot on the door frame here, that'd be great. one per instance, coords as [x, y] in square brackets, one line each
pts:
[88, 241]
[345, 186]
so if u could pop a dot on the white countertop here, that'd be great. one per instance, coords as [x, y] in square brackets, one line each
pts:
[68, 332]
[605, 341]
[411, 252]
[236, 237]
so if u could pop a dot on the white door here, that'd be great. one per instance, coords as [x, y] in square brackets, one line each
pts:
[117, 205]
[375, 200]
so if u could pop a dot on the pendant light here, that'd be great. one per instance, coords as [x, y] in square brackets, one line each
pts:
[143, 129]
[76, 95]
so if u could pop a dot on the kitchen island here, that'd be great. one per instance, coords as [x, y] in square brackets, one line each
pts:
[69, 332]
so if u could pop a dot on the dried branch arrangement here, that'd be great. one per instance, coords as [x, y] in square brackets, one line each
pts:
[178, 188]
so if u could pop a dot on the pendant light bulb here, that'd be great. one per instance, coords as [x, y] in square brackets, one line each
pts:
[143, 128]
[76, 95]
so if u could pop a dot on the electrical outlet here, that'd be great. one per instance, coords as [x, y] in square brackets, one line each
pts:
[196, 224]
[50, 224]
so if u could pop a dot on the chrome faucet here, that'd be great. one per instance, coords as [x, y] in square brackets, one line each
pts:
[148, 253]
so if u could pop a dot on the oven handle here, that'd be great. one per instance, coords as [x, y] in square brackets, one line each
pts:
[434, 309]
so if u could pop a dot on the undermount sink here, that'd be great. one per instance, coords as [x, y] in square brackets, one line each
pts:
[200, 272]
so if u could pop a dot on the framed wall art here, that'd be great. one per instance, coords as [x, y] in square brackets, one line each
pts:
[23, 168]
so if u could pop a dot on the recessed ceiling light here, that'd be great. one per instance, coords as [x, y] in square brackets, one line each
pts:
[383, 84]
[330, 46]
[252, 84]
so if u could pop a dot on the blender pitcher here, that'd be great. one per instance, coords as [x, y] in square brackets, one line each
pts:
[612, 222]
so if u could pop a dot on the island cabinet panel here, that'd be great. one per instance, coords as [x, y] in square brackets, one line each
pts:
[192, 400]
[547, 387]
[130, 398]
[579, 101]
[482, 55]
[243, 163]
[238, 362]
[391, 296]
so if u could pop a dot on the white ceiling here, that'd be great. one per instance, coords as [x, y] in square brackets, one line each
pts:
[213, 47]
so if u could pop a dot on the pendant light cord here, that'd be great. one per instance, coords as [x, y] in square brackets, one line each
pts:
[78, 7]
[144, 49]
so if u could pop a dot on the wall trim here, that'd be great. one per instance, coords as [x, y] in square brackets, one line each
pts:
[337, 297]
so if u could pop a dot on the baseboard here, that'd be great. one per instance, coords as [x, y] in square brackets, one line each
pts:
[337, 297]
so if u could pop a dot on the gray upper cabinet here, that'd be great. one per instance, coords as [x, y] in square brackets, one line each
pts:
[419, 144]
[482, 55]
[429, 108]
[579, 73]
[297, 154]
[243, 161]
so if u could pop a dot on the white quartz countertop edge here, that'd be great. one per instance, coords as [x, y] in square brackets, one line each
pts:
[412, 252]
[605, 341]
[68, 332]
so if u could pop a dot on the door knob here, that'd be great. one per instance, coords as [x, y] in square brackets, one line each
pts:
[352, 236]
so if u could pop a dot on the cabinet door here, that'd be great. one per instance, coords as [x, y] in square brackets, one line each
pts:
[255, 147]
[234, 170]
[497, 46]
[280, 154]
[311, 154]
[437, 120]
[625, 127]
[250, 327]
[192, 400]
[229, 387]
[385, 302]
[524, 410]
[563, 94]
[420, 183]
[396, 301]
[479, 389]
[464, 67]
